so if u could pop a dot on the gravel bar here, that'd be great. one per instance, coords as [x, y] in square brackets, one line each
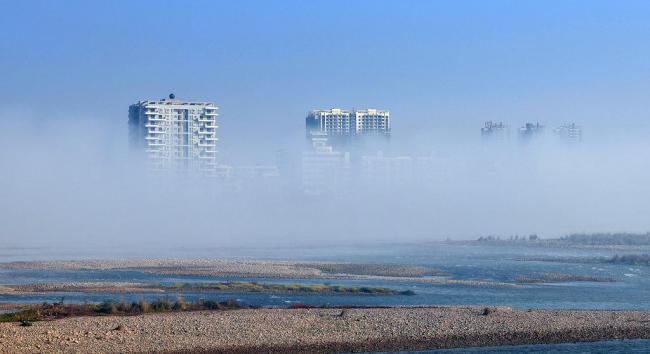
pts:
[320, 330]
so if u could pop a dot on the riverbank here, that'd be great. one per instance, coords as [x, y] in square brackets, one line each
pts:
[236, 268]
[321, 330]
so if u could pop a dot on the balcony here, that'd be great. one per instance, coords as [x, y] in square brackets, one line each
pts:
[210, 138]
[157, 119]
[203, 144]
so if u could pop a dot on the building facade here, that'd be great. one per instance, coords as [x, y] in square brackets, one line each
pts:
[176, 135]
[495, 130]
[571, 133]
[342, 122]
[530, 131]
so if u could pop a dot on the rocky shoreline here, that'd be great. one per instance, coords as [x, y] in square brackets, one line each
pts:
[320, 330]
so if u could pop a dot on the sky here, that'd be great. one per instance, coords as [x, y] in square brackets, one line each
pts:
[439, 66]
[70, 70]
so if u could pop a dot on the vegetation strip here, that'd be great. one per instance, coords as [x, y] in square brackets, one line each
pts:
[236, 286]
[282, 288]
[52, 311]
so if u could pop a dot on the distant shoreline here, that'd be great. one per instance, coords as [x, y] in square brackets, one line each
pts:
[253, 271]
[323, 330]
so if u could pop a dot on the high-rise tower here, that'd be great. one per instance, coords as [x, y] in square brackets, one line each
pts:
[176, 135]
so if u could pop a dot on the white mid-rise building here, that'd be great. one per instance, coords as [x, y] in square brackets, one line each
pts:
[342, 122]
[571, 133]
[530, 131]
[176, 135]
[495, 130]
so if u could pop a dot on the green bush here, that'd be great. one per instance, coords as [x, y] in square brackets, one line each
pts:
[160, 305]
[107, 307]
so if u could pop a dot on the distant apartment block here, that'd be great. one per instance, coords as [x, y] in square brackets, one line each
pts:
[345, 123]
[494, 130]
[530, 131]
[176, 135]
[570, 132]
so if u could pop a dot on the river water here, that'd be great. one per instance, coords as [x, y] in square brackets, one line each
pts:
[489, 263]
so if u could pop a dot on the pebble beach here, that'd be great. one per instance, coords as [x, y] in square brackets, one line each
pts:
[320, 330]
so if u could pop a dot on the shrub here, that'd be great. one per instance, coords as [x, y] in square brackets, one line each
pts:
[230, 304]
[179, 304]
[123, 306]
[143, 305]
[107, 307]
[160, 305]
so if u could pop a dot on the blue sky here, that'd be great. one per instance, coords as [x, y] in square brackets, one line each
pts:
[441, 67]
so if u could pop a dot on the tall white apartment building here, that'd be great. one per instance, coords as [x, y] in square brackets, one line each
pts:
[176, 135]
[342, 122]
